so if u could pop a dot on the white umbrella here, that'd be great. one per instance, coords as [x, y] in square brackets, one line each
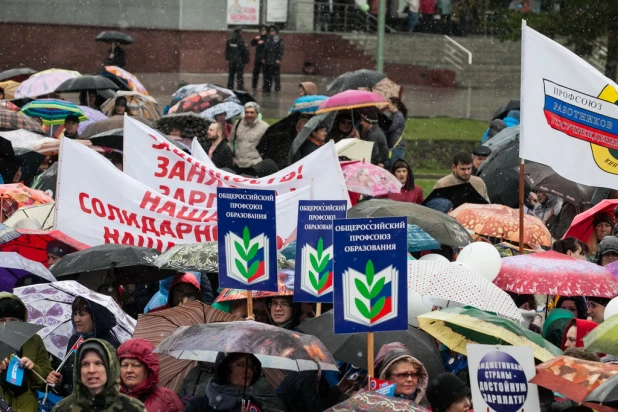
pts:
[354, 149]
[44, 214]
[13, 267]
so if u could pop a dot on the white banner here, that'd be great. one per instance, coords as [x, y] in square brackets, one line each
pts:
[276, 11]
[243, 12]
[569, 119]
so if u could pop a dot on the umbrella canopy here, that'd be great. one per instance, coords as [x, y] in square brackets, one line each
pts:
[552, 273]
[374, 402]
[46, 182]
[192, 124]
[44, 214]
[603, 338]
[86, 83]
[324, 119]
[138, 105]
[44, 82]
[458, 195]
[504, 110]
[503, 138]
[112, 139]
[352, 348]
[114, 122]
[49, 305]
[132, 81]
[369, 179]
[498, 173]
[354, 80]
[581, 226]
[276, 141]
[230, 109]
[613, 269]
[351, 99]
[502, 222]
[443, 228]
[52, 112]
[354, 149]
[127, 264]
[23, 139]
[114, 36]
[13, 335]
[285, 284]
[18, 75]
[544, 178]
[10, 120]
[10, 106]
[158, 325]
[32, 244]
[605, 396]
[457, 327]
[199, 102]
[9, 87]
[23, 195]
[93, 117]
[307, 104]
[14, 267]
[387, 89]
[190, 89]
[275, 347]
[419, 240]
[457, 283]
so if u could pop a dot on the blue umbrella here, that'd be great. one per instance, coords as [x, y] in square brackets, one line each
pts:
[419, 240]
[230, 109]
[307, 104]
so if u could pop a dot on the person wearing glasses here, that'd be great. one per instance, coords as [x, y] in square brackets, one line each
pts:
[283, 312]
[396, 364]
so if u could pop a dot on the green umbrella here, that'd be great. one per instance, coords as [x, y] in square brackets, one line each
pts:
[456, 327]
[603, 338]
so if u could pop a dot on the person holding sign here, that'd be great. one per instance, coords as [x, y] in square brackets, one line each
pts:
[283, 312]
[395, 363]
[32, 357]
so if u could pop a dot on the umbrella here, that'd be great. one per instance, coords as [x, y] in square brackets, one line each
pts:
[605, 396]
[23, 139]
[544, 178]
[285, 282]
[52, 112]
[503, 110]
[354, 149]
[230, 109]
[86, 83]
[199, 102]
[7, 105]
[138, 105]
[7, 233]
[18, 75]
[23, 195]
[502, 222]
[30, 161]
[457, 327]
[192, 124]
[93, 116]
[369, 179]
[9, 87]
[43, 83]
[13, 335]
[276, 141]
[111, 138]
[114, 122]
[44, 214]
[32, 244]
[354, 80]
[613, 269]
[374, 402]
[307, 104]
[552, 273]
[458, 195]
[419, 240]
[352, 348]
[49, 305]
[10, 120]
[503, 187]
[190, 89]
[242, 96]
[581, 226]
[457, 283]
[14, 267]
[443, 228]
[114, 36]
[158, 325]
[325, 119]
[275, 347]
[46, 182]
[603, 338]
[131, 80]
[126, 264]
[351, 99]
[387, 89]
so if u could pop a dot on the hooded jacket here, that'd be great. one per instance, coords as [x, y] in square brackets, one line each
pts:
[180, 278]
[110, 400]
[410, 192]
[156, 399]
[394, 352]
[584, 327]
[555, 324]
[310, 88]
[33, 349]
[294, 320]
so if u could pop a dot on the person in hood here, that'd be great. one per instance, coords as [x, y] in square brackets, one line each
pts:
[237, 55]
[314, 141]
[234, 374]
[447, 393]
[555, 325]
[283, 312]
[258, 42]
[139, 377]
[307, 89]
[90, 320]
[396, 364]
[410, 192]
[575, 304]
[32, 355]
[273, 54]
[512, 118]
[575, 331]
[120, 107]
[596, 308]
[547, 206]
[182, 284]
[97, 382]
[495, 127]
[56, 250]
[607, 251]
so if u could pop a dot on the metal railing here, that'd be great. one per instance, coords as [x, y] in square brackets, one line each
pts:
[456, 54]
[340, 17]
[598, 58]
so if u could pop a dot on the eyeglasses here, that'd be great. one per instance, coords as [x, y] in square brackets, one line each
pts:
[405, 375]
[284, 304]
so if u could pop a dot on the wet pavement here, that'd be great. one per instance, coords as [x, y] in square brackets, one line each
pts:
[422, 101]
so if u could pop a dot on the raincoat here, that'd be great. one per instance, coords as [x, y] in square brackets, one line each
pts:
[110, 400]
[584, 327]
[155, 398]
[394, 352]
[555, 324]
[33, 349]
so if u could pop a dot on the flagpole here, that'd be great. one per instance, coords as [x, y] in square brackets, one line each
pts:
[370, 354]
[249, 303]
[318, 309]
[521, 206]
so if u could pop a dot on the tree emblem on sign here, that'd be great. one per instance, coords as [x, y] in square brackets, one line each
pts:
[318, 273]
[246, 252]
[369, 291]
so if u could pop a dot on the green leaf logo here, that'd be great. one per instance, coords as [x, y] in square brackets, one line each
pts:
[246, 253]
[369, 291]
[318, 275]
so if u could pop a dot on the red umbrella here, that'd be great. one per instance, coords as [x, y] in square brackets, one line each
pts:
[581, 227]
[552, 273]
[32, 244]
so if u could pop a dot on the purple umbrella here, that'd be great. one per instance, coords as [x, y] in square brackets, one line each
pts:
[43, 83]
[14, 267]
[93, 117]
[613, 269]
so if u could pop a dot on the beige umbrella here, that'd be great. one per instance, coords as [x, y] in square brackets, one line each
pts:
[9, 87]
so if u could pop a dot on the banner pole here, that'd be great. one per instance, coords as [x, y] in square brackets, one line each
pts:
[318, 309]
[370, 354]
[249, 303]
[521, 207]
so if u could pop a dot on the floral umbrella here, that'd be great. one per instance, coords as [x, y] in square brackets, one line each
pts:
[196, 88]
[22, 195]
[199, 102]
[285, 281]
[130, 78]
[370, 180]
[230, 109]
[43, 83]
[374, 402]
[138, 105]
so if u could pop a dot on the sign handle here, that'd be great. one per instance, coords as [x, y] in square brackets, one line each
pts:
[249, 303]
[318, 309]
[370, 354]
[521, 207]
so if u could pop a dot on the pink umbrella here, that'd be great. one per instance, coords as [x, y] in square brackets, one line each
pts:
[134, 84]
[369, 179]
[552, 273]
[613, 269]
[351, 99]
[44, 82]
[93, 117]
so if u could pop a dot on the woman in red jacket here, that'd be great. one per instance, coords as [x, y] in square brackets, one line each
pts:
[139, 375]
[409, 192]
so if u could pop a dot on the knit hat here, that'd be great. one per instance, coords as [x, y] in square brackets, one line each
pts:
[91, 345]
[265, 168]
[600, 301]
[607, 245]
[11, 308]
[604, 217]
[444, 390]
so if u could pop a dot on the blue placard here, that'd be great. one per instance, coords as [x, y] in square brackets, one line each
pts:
[314, 249]
[15, 372]
[247, 235]
[371, 281]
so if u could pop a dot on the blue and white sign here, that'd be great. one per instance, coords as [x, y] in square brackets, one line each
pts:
[314, 249]
[247, 234]
[370, 273]
[15, 372]
[499, 378]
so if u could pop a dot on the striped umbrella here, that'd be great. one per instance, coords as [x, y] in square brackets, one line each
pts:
[130, 78]
[52, 112]
[307, 104]
[44, 82]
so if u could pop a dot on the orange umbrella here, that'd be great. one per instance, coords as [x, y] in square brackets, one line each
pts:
[502, 222]
[23, 195]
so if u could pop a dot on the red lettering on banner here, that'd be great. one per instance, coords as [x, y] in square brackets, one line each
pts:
[164, 190]
[148, 225]
[166, 229]
[169, 208]
[179, 152]
[270, 181]
[211, 200]
[158, 146]
[162, 164]
[150, 198]
[196, 172]
[98, 207]
[179, 195]
[183, 229]
[111, 235]
[112, 216]
[288, 177]
[131, 219]
[178, 170]
[128, 239]
[82, 206]
[213, 180]
[196, 197]
[204, 231]
[300, 172]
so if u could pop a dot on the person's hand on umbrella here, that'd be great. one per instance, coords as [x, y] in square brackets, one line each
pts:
[54, 378]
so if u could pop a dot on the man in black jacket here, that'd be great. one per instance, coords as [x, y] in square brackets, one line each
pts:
[237, 54]
[273, 53]
[258, 42]
[218, 151]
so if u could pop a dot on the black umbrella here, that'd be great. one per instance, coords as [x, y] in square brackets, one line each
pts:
[111, 138]
[47, 180]
[352, 348]
[503, 187]
[243, 96]
[17, 75]
[324, 118]
[503, 137]
[121, 83]
[86, 83]
[503, 110]
[545, 179]
[276, 142]
[29, 161]
[606, 394]
[111, 263]
[458, 195]
[13, 335]
[442, 227]
[110, 36]
[354, 80]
